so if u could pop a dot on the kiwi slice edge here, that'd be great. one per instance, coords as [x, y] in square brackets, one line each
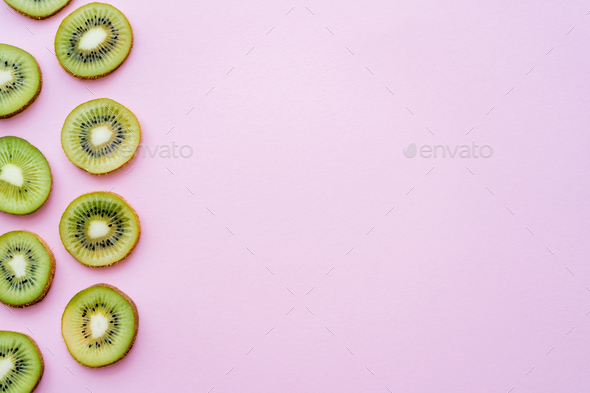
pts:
[36, 94]
[64, 25]
[135, 320]
[40, 16]
[63, 232]
[34, 346]
[116, 162]
[51, 273]
[35, 152]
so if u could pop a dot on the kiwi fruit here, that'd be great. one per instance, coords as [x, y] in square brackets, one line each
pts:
[38, 9]
[21, 363]
[93, 41]
[27, 267]
[100, 136]
[99, 325]
[25, 176]
[20, 80]
[99, 229]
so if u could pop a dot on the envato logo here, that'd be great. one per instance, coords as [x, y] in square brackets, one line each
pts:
[161, 151]
[462, 151]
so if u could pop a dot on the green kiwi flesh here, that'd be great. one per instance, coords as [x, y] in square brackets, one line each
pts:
[25, 176]
[21, 363]
[93, 41]
[38, 9]
[100, 136]
[99, 229]
[99, 325]
[20, 80]
[27, 267]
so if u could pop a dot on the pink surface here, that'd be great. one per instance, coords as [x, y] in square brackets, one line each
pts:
[271, 259]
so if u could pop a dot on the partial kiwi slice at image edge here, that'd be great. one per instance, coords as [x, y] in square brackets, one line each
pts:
[100, 136]
[93, 41]
[25, 177]
[20, 80]
[100, 325]
[21, 363]
[27, 268]
[38, 9]
[99, 229]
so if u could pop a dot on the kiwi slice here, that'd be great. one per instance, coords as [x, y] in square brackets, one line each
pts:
[21, 363]
[100, 136]
[20, 80]
[25, 176]
[99, 325]
[93, 41]
[27, 266]
[38, 9]
[99, 229]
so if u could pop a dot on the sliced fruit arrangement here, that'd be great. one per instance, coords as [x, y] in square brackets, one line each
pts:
[99, 229]
[21, 363]
[25, 176]
[93, 41]
[27, 267]
[20, 80]
[99, 325]
[100, 136]
[38, 9]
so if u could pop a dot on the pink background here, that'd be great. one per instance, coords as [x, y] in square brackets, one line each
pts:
[244, 277]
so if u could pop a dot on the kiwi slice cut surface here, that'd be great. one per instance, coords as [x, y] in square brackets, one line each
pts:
[21, 363]
[38, 9]
[99, 325]
[27, 267]
[100, 136]
[99, 229]
[93, 41]
[20, 80]
[25, 177]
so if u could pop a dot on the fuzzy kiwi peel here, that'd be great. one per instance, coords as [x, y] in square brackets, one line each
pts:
[85, 315]
[122, 224]
[21, 80]
[42, 253]
[19, 346]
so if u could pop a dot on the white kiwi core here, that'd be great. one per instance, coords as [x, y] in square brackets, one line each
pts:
[92, 38]
[5, 76]
[100, 135]
[97, 229]
[18, 266]
[12, 174]
[99, 325]
[6, 365]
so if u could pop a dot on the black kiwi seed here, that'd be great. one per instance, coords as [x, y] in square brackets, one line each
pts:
[103, 57]
[111, 146]
[14, 87]
[27, 367]
[29, 287]
[96, 212]
[120, 223]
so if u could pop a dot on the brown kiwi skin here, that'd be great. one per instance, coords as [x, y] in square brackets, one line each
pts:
[134, 244]
[41, 17]
[122, 165]
[135, 314]
[94, 77]
[28, 104]
[49, 280]
[40, 357]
